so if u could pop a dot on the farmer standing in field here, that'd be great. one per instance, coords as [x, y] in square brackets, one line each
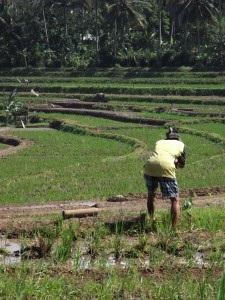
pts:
[160, 169]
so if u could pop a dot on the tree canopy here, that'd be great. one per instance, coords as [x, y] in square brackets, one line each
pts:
[73, 33]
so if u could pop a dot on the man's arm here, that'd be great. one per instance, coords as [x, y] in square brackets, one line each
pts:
[181, 159]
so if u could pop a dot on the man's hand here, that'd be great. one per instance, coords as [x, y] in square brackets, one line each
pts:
[179, 164]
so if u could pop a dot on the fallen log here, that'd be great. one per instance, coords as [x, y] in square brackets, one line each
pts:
[80, 213]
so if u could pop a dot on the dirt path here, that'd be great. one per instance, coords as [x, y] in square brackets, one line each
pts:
[132, 202]
[24, 218]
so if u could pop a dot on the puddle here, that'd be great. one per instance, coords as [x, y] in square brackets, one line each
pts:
[197, 259]
[85, 262]
[82, 259]
[13, 249]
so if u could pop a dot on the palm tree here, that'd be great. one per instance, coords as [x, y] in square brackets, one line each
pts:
[66, 5]
[193, 11]
[172, 8]
[123, 13]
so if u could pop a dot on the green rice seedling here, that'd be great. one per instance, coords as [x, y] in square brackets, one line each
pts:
[74, 228]
[143, 221]
[77, 258]
[210, 218]
[43, 246]
[163, 223]
[4, 252]
[142, 241]
[63, 250]
[97, 233]
[203, 289]
[85, 120]
[117, 245]
[215, 258]
[221, 291]
[214, 128]
[48, 232]
[56, 169]
[189, 250]
[156, 255]
[44, 240]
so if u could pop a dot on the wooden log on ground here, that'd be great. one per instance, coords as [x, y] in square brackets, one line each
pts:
[80, 213]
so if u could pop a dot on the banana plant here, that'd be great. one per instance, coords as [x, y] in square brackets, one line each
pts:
[11, 106]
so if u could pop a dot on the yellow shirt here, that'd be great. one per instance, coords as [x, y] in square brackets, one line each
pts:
[161, 161]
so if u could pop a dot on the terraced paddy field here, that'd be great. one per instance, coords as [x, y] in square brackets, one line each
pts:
[93, 132]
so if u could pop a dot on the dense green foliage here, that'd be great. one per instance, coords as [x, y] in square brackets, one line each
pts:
[108, 32]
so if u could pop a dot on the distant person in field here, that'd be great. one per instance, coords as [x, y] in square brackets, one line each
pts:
[160, 169]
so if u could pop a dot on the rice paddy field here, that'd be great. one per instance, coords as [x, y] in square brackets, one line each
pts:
[95, 130]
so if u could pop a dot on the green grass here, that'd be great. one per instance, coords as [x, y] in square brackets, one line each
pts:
[195, 153]
[41, 283]
[125, 85]
[86, 120]
[167, 115]
[63, 166]
[3, 146]
[58, 167]
[214, 128]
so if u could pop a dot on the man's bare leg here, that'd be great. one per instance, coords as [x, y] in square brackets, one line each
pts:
[175, 211]
[151, 205]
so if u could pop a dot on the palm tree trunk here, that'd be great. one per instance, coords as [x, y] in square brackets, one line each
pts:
[115, 39]
[66, 25]
[96, 28]
[160, 25]
[198, 35]
[221, 31]
[46, 32]
[172, 28]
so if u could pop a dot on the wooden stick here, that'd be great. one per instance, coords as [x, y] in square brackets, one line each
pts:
[80, 213]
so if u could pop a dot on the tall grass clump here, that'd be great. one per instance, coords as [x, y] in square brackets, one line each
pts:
[221, 291]
[210, 219]
[67, 237]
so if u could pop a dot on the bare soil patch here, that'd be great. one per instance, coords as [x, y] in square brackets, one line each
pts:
[15, 144]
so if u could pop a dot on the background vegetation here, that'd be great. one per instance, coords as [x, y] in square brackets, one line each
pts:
[151, 33]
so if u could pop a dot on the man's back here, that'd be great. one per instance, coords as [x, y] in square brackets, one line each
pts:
[162, 161]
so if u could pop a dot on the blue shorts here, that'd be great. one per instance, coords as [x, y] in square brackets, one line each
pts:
[168, 186]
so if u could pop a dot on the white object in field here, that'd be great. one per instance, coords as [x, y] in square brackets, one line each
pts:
[34, 93]
[23, 124]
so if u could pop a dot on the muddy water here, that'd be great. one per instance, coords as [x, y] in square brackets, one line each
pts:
[12, 252]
